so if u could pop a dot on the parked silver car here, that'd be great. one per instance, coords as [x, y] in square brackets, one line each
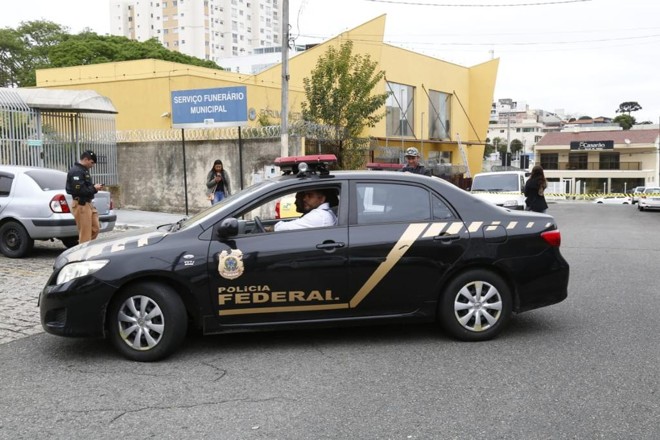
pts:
[35, 206]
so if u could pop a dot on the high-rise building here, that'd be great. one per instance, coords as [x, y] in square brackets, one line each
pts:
[206, 29]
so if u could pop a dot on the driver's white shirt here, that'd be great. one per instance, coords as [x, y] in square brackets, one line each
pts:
[316, 218]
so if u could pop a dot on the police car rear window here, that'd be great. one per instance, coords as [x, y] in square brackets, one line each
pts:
[381, 203]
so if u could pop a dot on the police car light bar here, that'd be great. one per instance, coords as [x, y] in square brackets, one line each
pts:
[310, 163]
[384, 166]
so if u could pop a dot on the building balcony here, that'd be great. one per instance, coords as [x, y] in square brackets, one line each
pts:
[593, 166]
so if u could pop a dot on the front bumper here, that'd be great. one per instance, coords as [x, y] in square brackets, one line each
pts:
[75, 308]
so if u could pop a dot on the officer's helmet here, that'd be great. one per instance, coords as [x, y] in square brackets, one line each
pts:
[412, 151]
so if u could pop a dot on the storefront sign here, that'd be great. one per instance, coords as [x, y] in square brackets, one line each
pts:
[592, 145]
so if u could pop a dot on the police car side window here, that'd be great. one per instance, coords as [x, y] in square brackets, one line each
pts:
[5, 185]
[440, 209]
[382, 203]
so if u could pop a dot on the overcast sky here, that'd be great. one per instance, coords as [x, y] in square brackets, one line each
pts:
[583, 56]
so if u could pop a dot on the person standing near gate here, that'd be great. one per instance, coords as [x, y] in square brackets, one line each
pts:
[79, 184]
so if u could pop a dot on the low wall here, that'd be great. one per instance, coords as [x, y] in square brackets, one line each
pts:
[151, 174]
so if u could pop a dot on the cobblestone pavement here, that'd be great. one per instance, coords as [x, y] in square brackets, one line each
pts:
[21, 280]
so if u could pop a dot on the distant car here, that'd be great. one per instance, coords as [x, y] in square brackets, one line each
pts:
[636, 193]
[501, 188]
[35, 206]
[649, 199]
[614, 200]
[405, 248]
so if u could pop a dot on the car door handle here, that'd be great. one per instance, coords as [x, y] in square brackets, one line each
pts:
[330, 245]
[447, 238]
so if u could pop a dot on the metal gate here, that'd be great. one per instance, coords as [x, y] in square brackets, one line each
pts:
[56, 138]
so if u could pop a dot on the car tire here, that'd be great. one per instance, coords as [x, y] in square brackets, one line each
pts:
[147, 322]
[15, 242]
[639, 208]
[475, 306]
[69, 242]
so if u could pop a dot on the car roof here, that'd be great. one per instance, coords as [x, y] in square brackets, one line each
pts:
[23, 168]
[499, 173]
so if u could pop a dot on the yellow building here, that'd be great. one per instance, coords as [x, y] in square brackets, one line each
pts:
[434, 105]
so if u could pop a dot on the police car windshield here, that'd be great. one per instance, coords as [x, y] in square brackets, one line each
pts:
[495, 182]
[233, 199]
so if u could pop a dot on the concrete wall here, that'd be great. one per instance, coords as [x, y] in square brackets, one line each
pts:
[151, 174]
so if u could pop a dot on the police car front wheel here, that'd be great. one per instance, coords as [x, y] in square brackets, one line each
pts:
[147, 322]
[475, 306]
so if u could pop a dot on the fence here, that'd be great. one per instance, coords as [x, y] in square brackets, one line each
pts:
[55, 139]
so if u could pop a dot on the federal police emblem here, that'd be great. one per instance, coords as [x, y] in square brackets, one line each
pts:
[231, 264]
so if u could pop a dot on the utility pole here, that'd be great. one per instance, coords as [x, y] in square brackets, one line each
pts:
[284, 111]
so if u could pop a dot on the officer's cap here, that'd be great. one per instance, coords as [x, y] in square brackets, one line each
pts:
[412, 151]
[88, 154]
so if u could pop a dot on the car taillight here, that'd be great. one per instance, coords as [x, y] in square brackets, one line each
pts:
[59, 205]
[277, 210]
[112, 204]
[553, 238]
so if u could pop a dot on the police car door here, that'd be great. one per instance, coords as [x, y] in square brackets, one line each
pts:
[403, 239]
[270, 277]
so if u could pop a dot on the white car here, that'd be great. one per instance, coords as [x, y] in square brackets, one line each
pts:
[501, 188]
[35, 206]
[614, 200]
[636, 192]
[649, 199]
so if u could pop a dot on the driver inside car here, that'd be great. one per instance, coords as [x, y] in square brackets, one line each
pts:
[318, 212]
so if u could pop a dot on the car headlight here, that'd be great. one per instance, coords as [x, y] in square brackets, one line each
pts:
[511, 203]
[79, 269]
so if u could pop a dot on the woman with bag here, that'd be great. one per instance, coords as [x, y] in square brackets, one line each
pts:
[534, 190]
[217, 183]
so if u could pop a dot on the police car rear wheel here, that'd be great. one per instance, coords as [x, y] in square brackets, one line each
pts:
[475, 306]
[147, 322]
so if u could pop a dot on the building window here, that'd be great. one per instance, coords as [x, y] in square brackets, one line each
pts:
[439, 115]
[550, 161]
[609, 161]
[399, 110]
[578, 161]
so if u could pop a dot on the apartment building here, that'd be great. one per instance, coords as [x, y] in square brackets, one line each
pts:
[206, 29]
[513, 120]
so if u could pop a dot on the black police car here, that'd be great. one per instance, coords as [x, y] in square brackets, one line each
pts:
[405, 247]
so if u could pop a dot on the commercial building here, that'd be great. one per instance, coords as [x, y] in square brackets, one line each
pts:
[593, 162]
[439, 107]
[209, 29]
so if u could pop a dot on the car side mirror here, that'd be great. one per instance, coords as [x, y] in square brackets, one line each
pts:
[228, 228]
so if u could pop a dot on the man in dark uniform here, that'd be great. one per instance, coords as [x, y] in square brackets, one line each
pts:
[413, 166]
[79, 184]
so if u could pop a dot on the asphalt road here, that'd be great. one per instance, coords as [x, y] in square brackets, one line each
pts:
[587, 368]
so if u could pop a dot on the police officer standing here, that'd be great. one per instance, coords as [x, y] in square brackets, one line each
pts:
[79, 185]
[413, 166]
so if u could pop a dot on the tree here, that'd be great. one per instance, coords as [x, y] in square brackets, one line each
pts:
[339, 93]
[89, 48]
[625, 121]
[516, 145]
[628, 106]
[44, 44]
[25, 49]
